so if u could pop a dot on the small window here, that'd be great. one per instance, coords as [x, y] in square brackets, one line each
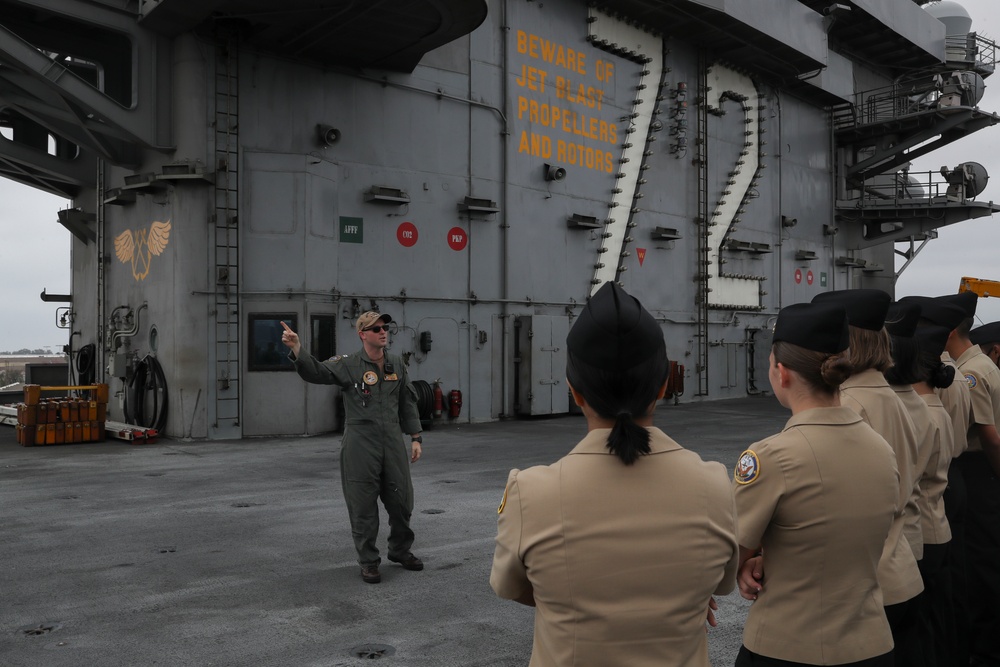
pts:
[267, 352]
[323, 340]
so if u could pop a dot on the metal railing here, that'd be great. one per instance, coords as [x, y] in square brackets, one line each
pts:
[924, 91]
[901, 188]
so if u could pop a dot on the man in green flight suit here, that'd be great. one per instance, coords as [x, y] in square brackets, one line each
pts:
[380, 404]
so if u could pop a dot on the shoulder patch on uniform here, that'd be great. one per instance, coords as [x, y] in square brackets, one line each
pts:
[970, 379]
[503, 502]
[336, 358]
[747, 468]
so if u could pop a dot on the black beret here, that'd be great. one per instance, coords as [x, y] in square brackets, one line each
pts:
[614, 331]
[932, 338]
[967, 301]
[820, 327]
[866, 308]
[988, 333]
[938, 312]
[901, 321]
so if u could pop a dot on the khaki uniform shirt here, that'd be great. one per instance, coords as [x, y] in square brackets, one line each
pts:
[868, 394]
[933, 521]
[983, 379]
[924, 465]
[622, 559]
[958, 403]
[821, 503]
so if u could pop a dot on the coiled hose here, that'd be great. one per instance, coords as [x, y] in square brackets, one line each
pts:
[425, 402]
[85, 361]
[147, 380]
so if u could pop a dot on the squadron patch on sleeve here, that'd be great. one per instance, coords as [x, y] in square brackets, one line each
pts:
[747, 468]
[970, 379]
[370, 377]
[336, 358]
[503, 502]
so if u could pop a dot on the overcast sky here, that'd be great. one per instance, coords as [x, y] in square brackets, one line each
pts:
[35, 251]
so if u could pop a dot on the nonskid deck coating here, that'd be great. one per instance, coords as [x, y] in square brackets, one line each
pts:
[239, 552]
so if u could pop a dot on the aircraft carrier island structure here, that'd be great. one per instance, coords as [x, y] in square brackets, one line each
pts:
[476, 169]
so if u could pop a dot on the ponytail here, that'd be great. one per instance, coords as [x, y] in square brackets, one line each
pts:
[622, 395]
[628, 441]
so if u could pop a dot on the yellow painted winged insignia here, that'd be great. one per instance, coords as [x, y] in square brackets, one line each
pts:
[139, 248]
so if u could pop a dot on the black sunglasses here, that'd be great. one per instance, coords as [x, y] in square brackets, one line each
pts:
[378, 329]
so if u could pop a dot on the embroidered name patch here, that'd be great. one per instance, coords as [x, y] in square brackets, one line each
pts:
[971, 379]
[747, 468]
[391, 377]
[370, 377]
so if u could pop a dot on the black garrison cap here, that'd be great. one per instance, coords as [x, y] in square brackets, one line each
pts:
[988, 333]
[866, 308]
[967, 301]
[902, 319]
[614, 331]
[938, 312]
[932, 338]
[820, 327]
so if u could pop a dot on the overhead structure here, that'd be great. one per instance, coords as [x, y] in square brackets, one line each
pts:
[476, 170]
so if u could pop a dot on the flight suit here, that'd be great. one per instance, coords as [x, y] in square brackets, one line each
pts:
[820, 497]
[374, 461]
[982, 527]
[622, 560]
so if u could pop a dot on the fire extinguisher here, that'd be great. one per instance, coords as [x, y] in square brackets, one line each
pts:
[454, 403]
[438, 400]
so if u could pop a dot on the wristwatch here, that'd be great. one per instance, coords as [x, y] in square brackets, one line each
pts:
[417, 439]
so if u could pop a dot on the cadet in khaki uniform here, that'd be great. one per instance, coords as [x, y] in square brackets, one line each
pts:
[937, 617]
[867, 393]
[374, 463]
[621, 544]
[901, 323]
[981, 469]
[948, 313]
[816, 501]
[908, 377]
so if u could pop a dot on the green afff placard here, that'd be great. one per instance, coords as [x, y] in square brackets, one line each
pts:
[352, 230]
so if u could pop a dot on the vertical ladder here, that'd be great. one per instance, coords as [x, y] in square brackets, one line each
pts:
[704, 222]
[101, 351]
[226, 306]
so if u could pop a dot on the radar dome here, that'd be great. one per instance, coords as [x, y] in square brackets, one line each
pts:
[954, 16]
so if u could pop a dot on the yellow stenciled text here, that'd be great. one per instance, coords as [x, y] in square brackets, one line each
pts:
[547, 51]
